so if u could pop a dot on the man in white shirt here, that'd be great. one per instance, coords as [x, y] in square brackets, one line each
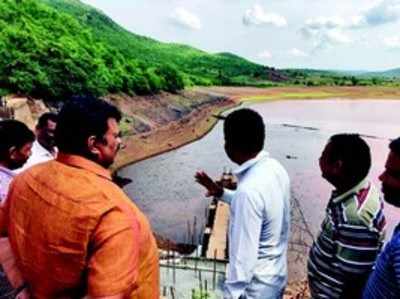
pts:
[260, 211]
[15, 148]
[43, 149]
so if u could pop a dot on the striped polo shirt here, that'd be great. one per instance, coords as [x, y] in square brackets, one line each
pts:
[384, 282]
[351, 237]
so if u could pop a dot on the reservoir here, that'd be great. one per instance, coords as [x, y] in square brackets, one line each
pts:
[297, 131]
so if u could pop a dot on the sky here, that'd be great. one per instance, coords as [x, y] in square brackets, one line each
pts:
[320, 34]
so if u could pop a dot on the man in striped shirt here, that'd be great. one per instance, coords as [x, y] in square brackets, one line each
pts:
[351, 235]
[384, 282]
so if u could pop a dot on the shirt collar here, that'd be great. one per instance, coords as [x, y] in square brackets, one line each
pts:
[41, 150]
[250, 163]
[7, 171]
[81, 162]
[336, 198]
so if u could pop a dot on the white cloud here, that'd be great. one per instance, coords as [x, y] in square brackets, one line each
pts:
[329, 31]
[357, 22]
[336, 36]
[392, 42]
[386, 11]
[326, 32]
[330, 38]
[297, 53]
[308, 33]
[257, 16]
[335, 22]
[186, 19]
[265, 54]
[369, 50]
[324, 22]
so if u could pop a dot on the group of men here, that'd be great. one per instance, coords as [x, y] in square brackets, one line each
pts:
[342, 258]
[21, 148]
[73, 233]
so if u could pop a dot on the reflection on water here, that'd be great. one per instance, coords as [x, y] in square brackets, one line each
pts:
[164, 188]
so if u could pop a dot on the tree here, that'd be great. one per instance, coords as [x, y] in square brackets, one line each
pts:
[354, 81]
[173, 80]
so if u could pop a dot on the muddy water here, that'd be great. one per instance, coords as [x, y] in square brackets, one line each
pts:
[297, 131]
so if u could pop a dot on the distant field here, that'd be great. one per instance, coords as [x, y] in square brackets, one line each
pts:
[290, 95]
[249, 94]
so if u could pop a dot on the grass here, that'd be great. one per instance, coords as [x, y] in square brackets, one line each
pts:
[307, 93]
[291, 96]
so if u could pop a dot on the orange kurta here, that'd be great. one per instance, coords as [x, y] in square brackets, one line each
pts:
[74, 232]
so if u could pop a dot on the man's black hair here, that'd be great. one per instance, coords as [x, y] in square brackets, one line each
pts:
[395, 146]
[13, 133]
[44, 118]
[80, 118]
[354, 152]
[244, 131]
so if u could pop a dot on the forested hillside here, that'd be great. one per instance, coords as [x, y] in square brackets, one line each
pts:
[55, 48]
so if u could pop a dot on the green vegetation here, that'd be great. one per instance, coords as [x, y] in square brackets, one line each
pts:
[196, 66]
[307, 77]
[49, 54]
[56, 48]
[292, 96]
[200, 294]
[389, 74]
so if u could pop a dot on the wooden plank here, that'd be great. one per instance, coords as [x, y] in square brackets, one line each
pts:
[219, 235]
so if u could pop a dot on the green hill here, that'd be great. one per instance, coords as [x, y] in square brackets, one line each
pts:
[315, 77]
[393, 73]
[56, 48]
[201, 67]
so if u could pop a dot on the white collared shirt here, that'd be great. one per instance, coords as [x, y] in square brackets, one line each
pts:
[259, 227]
[6, 176]
[39, 155]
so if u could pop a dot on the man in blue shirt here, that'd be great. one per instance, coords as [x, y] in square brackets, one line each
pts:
[259, 211]
[384, 282]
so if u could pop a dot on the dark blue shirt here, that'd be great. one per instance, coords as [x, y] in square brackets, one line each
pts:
[384, 282]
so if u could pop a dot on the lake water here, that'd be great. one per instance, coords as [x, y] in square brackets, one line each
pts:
[164, 188]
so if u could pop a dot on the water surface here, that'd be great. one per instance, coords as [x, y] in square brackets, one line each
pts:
[164, 188]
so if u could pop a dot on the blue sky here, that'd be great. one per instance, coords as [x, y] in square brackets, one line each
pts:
[325, 34]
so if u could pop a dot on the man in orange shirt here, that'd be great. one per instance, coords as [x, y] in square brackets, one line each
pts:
[73, 231]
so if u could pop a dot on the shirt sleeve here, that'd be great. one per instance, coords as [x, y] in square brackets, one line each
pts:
[4, 210]
[228, 196]
[114, 259]
[244, 236]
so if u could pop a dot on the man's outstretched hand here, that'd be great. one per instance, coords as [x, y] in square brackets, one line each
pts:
[213, 189]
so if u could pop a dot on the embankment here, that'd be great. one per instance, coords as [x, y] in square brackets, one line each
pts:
[160, 123]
